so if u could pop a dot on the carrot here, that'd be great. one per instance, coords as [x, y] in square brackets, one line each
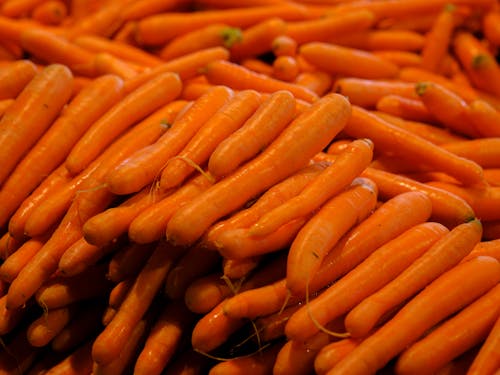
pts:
[51, 149]
[339, 298]
[490, 248]
[206, 292]
[77, 362]
[34, 110]
[237, 77]
[9, 318]
[327, 185]
[410, 147]
[4, 104]
[318, 82]
[442, 256]
[113, 339]
[449, 109]
[52, 12]
[490, 27]
[272, 326]
[164, 339]
[238, 268]
[329, 114]
[484, 118]
[482, 151]
[347, 61]
[105, 63]
[370, 40]
[486, 362]
[285, 68]
[14, 77]
[148, 162]
[139, 9]
[284, 45]
[257, 39]
[222, 4]
[13, 264]
[448, 209]
[204, 144]
[449, 293]
[405, 108]
[476, 321]
[395, 215]
[150, 30]
[132, 108]
[43, 329]
[333, 353]
[17, 8]
[367, 92]
[297, 357]
[187, 66]
[258, 65]
[321, 29]
[8, 245]
[128, 261]
[150, 224]
[255, 134]
[105, 21]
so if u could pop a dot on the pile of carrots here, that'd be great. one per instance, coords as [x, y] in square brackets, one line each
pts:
[250, 187]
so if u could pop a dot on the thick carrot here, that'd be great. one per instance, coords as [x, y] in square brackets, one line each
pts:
[14, 77]
[255, 134]
[347, 61]
[405, 108]
[411, 147]
[164, 339]
[447, 208]
[132, 108]
[449, 293]
[440, 346]
[333, 353]
[205, 143]
[238, 77]
[484, 118]
[395, 256]
[142, 167]
[321, 29]
[367, 92]
[449, 109]
[128, 261]
[43, 329]
[34, 110]
[113, 339]
[151, 30]
[371, 40]
[52, 148]
[442, 256]
[304, 137]
[330, 182]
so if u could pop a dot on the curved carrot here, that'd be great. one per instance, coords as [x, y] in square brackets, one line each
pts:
[52, 148]
[408, 146]
[442, 256]
[256, 133]
[204, 144]
[303, 138]
[132, 108]
[240, 78]
[34, 110]
[449, 293]
[395, 256]
[14, 77]
[347, 61]
[441, 345]
[329, 183]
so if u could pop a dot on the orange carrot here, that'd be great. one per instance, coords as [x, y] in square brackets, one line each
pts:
[318, 82]
[240, 78]
[51, 12]
[113, 339]
[43, 329]
[486, 361]
[205, 143]
[450, 292]
[476, 321]
[370, 40]
[132, 108]
[333, 353]
[105, 63]
[339, 298]
[4, 104]
[406, 108]
[284, 45]
[139, 9]
[328, 184]
[272, 326]
[17, 8]
[256, 133]
[128, 261]
[484, 118]
[490, 248]
[347, 61]
[34, 110]
[102, 22]
[239, 268]
[8, 245]
[483, 151]
[400, 58]
[304, 137]
[285, 68]
[9, 318]
[14, 77]
[258, 65]
[442, 256]
[491, 30]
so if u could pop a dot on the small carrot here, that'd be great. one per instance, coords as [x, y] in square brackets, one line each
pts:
[339, 298]
[485, 118]
[475, 320]
[285, 68]
[240, 78]
[254, 135]
[132, 108]
[4, 104]
[449, 293]
[370, 40]
[14, 77]
[304, 137]
[234, 115]
[43, 329]
[128, 261]
[34, 110]
[405, 108]
[108, 345]
[347, 61]
[367, 92]
[329, 183]
[442, 256]
[333, 353]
